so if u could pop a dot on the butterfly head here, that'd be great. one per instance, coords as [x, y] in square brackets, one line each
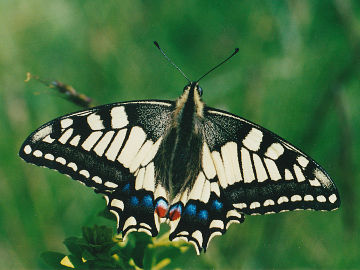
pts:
[195, 86]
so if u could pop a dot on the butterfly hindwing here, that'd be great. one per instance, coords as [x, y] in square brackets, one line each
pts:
[109, 148]
[206, 214]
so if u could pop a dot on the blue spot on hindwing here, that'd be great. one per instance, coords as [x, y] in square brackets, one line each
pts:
[190, 209]
[217, 205]
[203, 215]
[126, 188]
[134, 200]
[147, 201]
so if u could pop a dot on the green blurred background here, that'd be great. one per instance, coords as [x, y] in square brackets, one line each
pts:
[297, 74]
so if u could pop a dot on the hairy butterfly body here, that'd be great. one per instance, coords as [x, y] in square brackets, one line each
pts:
[197, 168]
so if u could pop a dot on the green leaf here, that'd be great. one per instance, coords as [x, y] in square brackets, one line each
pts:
[149, 259]
[75, 245]
[77, 262]
[53, 259]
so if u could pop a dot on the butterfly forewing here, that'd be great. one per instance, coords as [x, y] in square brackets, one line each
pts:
[109, 148]
[271, 175]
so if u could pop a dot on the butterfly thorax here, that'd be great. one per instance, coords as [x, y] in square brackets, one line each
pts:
[180, 166]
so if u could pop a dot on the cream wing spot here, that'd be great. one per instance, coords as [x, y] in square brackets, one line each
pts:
[119, 118]
[308, 198]
[116, 215]
[298, 173]
[115, 145]
[230, 158]
[254, 205]
[37, 153]
[103, 143]
[219, 168]
[97, 179]
[91, 140]
[117, 204]
[269, 202]
[131, 221]
[198, 236]
[75, 141]
[127, 233]
[66, 136]
[110, 184]
[149, 180]
[272, 169]
[321, 198]
[332, 198]
[217, 223]
[232, 221]
[42, 133]
[253, 140]
[214, 186]
[233, 213]
[295, 198]
[240, 205]
[49, 157]
[95, 122]
[197, 189]
[140, 156]
[314, 182]
[132, 146]
[302, 161]
[274, 151]
[145, 226]
[259, 168]
[61, 160]
[322, 178]
[65, 123]
[85, 173]
[157, 221]
[48, 139]
[288, 175]
[27, 149]
[207, 162]
[73, 166]
[282, 199]
[247, 166]
[205, 195]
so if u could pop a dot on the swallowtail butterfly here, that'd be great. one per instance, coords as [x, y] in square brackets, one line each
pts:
[197, 168]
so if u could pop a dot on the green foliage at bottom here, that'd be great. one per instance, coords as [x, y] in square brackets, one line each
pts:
[99, 248]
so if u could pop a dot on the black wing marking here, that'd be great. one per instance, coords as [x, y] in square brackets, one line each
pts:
[109, 148]
[247, 169]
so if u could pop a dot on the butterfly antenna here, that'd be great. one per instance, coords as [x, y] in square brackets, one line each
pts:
[235, 52]
[167, 58]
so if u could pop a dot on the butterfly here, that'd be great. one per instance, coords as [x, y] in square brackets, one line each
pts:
[197, 168]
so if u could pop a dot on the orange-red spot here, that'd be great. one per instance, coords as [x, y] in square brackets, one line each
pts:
[174, 214]
[161, 211]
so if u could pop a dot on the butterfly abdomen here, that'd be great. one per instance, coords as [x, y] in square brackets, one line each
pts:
[176, 156]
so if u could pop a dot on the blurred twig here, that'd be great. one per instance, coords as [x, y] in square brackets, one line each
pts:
[70, 93]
